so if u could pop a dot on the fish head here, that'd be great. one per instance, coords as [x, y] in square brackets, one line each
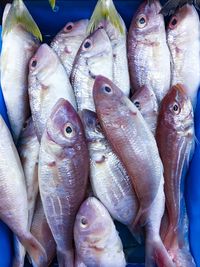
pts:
[147, 20]
[176, 109]
[95, 45]
[184, 21]
[72, 29]
[43, 63]
[145, 100]
[106, 93]
[91, 125]
[92, 221]
[28, 131]
[64, 126]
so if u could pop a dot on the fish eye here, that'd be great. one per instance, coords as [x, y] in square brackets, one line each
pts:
[173, 22]
[68, 130]
[87, 44]
[141, 21]
[107, 89]
[84, 222]
[33, 63]
[176, 108]
[137, 104]
[69, 27]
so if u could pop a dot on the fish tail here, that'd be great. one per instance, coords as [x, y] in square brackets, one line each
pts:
[34, 249]
[20, 253]
[19, 14]
[52, 3]
[105, 9]
[156, 253]
[65, 258]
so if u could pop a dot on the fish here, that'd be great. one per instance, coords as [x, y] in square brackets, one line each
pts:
[63, 175]
[184, 46]
[109, 179]
[18, 46]
[95, 52]
[96, 238]
[148, 52]
[68, 41]
[48, 82]
[171, 6]
[28, 148]
[41, 231]
[134, 144]
[14, 204]
[175, 139]
[118, 39]
[145, 100]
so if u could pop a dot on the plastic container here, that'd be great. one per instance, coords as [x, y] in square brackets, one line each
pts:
[50, 22]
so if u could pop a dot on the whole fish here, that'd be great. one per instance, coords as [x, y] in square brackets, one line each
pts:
[40, 230]
[184, 45]
[134, 144]
[117, 33]
[67, 42]
[96, 238]
[175, 139]
[48, 82]
[145, 100]
[93, 58]
[28, 148]
[63, 175]
[18, 46]
[110, 181]
[148, 53]
[13, 202]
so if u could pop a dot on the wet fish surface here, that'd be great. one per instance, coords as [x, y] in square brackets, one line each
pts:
[93, 58]
[96, 239]
[63, 175]
[48, 82]
[133, 142]
[18, 46]
[148, 53]
[175, 138]
[184, 45]
[145, 100]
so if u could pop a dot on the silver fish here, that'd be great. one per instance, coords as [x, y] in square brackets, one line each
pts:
[110, 181]
[148, 53]
[96, 239]
[183, 37]
[63, 175]
[94, 57]
[48, 82]
[18, 46]
[67, 42]
[145, 100]
[13, 202]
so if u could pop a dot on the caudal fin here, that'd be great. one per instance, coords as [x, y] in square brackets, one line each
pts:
[20, 253]
[34, 249]
[156, 253]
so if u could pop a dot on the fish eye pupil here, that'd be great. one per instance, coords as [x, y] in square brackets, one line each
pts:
[174, 22]
[175, 108]
[107, 89]
[84, 221]
[87, 44]
[69, 27]
[137, 104]
[142, 20]
[68, 130]
[34, 63]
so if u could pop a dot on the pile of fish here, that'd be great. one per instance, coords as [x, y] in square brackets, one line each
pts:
[90, 145]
